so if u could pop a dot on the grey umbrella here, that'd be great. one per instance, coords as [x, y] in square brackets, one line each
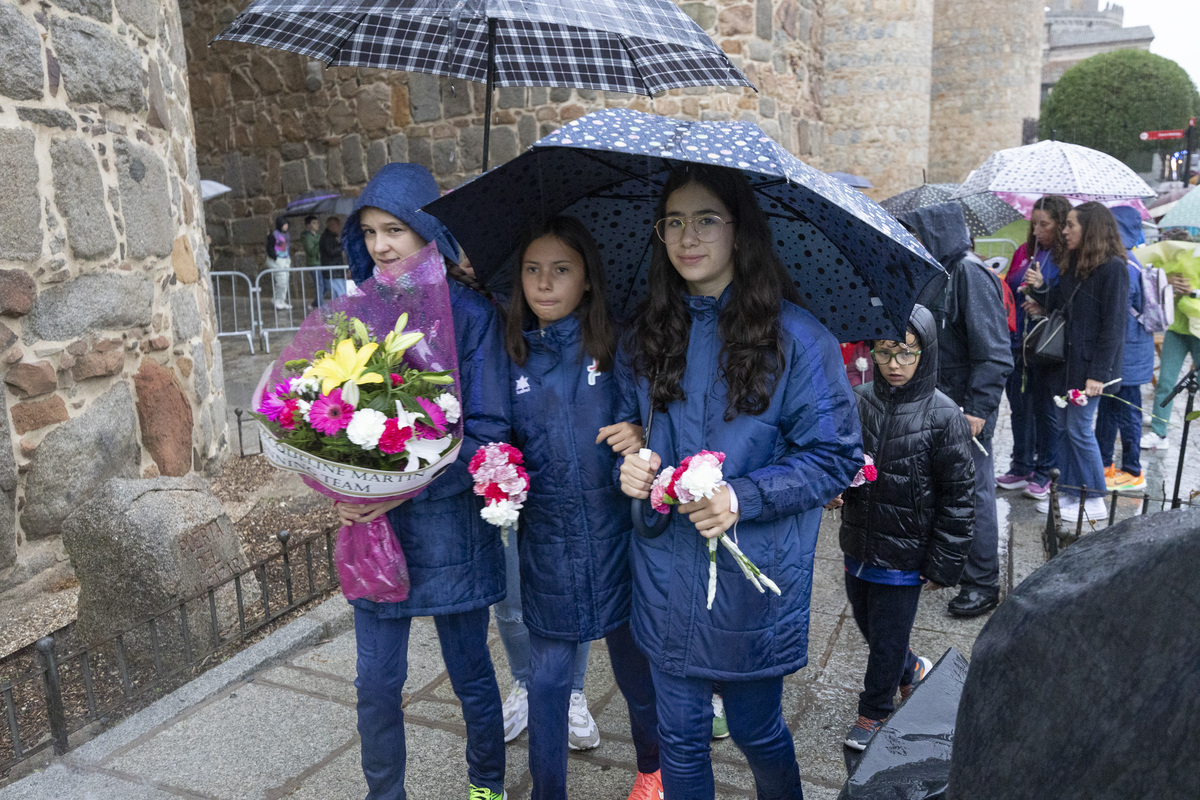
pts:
[632, 46]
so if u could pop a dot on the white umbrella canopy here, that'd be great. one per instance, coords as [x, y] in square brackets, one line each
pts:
[1055, 168]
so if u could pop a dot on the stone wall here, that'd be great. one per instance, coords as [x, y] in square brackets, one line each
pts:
[273, 125]
[109, 361]
[876, 90]
[986, 80]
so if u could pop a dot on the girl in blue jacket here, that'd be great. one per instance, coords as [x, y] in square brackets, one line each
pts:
[727, 360]
[575, 526]
[455, 561]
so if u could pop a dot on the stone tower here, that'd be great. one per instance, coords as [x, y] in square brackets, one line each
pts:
[876, 90]
[109, 360]
[986, 78]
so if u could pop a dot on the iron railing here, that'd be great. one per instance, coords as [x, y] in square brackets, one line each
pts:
[60, 685]
[1054, 538]
[236, 308]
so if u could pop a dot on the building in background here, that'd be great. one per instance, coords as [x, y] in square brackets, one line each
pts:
[1079, 29]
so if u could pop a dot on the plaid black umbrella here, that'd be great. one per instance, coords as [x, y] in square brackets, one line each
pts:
[986, 213]
[632, 46]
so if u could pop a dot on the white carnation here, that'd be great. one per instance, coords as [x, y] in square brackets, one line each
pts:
[305, 406]
[1060, 401]
[860, 364]
[501, 513]
[365, 428]
[309, 386]
[450, 406]
[701, 478]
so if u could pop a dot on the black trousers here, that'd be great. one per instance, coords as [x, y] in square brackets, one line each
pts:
[885, 615]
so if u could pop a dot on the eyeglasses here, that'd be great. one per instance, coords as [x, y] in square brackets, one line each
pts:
[707, 228]
[905, 358]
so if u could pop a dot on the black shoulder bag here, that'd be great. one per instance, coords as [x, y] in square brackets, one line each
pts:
[1046, 342]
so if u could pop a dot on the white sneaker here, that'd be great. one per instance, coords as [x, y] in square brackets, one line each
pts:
[582, 733]
[1152, 441]
[1094, 509]
[516, 711]
[1043, 505]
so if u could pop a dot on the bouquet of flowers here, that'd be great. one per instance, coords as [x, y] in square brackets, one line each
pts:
[367, 410]
[502, 482]
[696, 477]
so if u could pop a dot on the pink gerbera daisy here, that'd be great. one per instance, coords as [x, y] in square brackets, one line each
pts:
[437, 427]
[272, 406]
[330, 414]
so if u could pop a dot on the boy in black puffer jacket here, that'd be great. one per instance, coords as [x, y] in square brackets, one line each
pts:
[912, 524]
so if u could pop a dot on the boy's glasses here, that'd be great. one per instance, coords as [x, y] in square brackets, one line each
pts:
[905, 358]
[707, 228]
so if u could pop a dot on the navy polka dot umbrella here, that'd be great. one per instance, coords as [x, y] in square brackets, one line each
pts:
[856, 268]
[986, 213]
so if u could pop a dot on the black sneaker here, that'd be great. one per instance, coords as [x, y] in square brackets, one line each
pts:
[861, 733]
[974, 601]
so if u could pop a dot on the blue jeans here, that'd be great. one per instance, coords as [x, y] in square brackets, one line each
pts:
[983, 559]
[325, 280]
[552, 665]
[1081, 463]
[1113, 417]
[885, 616]
[1024, 424]
[754, 710]
[1175, 348]
[382, 669]
[513, 633]
[1049, 420]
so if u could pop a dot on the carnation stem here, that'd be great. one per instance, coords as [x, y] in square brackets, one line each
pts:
[712, 572]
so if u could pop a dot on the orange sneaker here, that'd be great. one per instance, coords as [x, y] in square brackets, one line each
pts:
[1127, 482]
[647, 786]
[1110, 477]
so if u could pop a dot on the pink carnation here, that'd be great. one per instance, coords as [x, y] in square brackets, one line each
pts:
[394, 437]
[287, 418]
[1077, 397]
[330, 414]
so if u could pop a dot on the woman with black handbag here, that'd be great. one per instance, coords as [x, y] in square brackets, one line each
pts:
[1093, 291]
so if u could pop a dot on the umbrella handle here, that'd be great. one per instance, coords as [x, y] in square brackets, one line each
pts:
[638, 510]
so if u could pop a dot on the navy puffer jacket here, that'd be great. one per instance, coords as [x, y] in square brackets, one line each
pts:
[784, 465]
[455, 559]
[574, 528]
[919, 513]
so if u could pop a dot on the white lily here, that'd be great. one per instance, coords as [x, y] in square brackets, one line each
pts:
[429, 450]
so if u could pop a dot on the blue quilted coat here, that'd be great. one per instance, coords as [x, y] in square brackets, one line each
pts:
[455, 559]
[784, 465]
[575, 528]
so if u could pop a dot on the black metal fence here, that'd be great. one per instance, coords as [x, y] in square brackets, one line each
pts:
[60, 684]
[1054, 538]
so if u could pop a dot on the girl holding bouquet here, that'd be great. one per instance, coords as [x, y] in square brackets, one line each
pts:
[455, 561]
[575, 526]
[727, 360]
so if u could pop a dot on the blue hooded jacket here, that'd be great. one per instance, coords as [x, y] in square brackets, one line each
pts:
[783, 464]
[575, 528]
[455, 559]
[1137, 364]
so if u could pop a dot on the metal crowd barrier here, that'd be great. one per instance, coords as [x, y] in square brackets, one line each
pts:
[991, 248]
[287, 315]
[235, 309]
[247, 307]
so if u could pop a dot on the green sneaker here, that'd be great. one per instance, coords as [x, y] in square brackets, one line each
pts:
[484, 793]
[720, 726]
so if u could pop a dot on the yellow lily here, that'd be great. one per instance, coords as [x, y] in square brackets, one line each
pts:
[397, 342]
[346, 364]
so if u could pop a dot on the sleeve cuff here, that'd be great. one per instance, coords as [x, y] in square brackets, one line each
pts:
[749, 499]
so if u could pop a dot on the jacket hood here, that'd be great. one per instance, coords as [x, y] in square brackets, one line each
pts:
[400, 190]
[942, 228]
[1129, 223]
[924, 381]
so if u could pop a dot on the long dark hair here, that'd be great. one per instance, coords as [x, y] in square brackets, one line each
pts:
[599, 340]
[1099, 240]
[1056, 207]
[751, 356]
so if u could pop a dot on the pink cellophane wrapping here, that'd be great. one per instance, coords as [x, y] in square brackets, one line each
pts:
[370, 562]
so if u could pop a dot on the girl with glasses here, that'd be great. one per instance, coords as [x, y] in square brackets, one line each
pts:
[725, 359]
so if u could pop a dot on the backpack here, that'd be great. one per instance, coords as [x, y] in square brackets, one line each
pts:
[998, 266]
[1158, 300]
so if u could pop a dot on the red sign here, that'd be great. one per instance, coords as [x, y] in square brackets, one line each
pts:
[1154, 136]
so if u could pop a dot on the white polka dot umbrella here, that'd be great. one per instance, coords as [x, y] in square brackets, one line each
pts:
[856, 268]
[1055, 168]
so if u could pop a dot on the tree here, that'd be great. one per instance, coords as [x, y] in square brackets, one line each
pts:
[1105, 101]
